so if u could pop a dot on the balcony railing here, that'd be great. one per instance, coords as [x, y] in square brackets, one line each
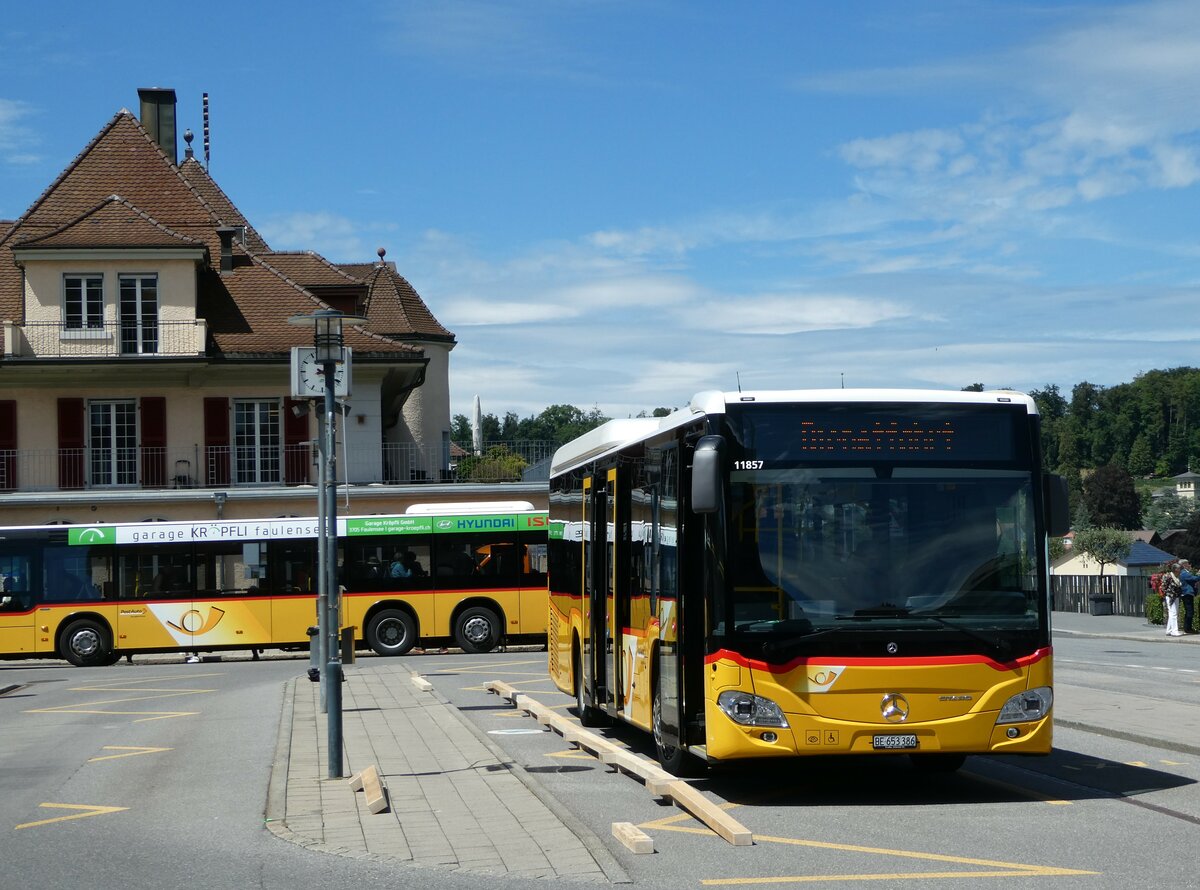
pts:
[200, 466]
[111, 339]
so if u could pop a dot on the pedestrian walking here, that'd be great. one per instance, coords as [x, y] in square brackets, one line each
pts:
[1171, 589]
[1187, 596]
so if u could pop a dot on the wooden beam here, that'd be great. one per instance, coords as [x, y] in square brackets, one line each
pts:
[633, 837]
[368, 781]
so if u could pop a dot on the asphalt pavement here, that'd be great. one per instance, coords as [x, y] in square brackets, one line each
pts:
[458, 802]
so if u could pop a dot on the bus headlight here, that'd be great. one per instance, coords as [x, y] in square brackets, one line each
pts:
[1032, 704]
[750, 710]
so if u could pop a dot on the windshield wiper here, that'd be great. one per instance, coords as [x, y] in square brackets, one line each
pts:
[783, 649]
[1000, 649]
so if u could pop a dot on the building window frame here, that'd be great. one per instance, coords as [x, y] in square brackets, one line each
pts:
[257, 441]
[83, 301]
[138, 311]
[112, 443]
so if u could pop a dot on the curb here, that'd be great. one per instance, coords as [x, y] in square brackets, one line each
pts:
[608, 863]
[1164, 744]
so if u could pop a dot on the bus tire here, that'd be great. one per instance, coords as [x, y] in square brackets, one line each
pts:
[477, 630]
[391, 632]
[937, 763]
[85, 643]
[673, 759]
[588, 716]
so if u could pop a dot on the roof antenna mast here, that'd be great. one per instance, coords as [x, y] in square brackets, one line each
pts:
[206, 143]
[738, 375]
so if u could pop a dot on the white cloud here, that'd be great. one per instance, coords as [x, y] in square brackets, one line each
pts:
[16, 139]
[773, 314]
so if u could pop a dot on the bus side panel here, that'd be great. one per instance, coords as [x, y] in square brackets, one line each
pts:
[16, 632]
[291, 617]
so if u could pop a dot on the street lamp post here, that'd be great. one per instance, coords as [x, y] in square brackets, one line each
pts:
[328, 353]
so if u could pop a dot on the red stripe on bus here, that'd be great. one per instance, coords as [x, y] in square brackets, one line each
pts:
[916, 661]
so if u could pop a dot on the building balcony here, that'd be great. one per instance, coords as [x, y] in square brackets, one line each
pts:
[201, 466]
[110, 339]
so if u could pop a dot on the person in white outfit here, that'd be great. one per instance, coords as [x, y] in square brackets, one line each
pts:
[1171, 588]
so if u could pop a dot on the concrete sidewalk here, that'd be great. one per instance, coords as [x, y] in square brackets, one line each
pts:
[456, 801]
[1152, 718]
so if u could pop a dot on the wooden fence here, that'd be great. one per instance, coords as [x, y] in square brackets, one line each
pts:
[1074, 593]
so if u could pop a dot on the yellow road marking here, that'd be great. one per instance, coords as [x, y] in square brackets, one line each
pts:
[572, 754]
[1136, 763]
[130, 752]
[94, 687]
[90, 811]
[1024, 792]
[997, 869]
[146, 715]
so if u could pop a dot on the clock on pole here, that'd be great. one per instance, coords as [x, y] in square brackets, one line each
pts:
[308, 374]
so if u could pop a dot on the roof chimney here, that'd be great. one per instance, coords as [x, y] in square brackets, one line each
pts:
[226, 234]
[158, 118]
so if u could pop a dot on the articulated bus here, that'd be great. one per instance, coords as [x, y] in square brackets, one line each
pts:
[474, 574]
[779, 574]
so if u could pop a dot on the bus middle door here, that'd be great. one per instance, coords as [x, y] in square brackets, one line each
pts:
[617, 654]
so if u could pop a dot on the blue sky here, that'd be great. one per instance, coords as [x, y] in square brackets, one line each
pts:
[618, 204]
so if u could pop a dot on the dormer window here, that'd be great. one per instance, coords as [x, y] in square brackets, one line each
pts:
[83, 302]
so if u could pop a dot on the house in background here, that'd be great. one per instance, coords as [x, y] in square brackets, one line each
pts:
[145, 370]
[1143, 559]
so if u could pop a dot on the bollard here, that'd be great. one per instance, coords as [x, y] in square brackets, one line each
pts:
[347, 646]
[314, 655]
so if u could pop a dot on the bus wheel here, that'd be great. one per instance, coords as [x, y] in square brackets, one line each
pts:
[937, 763]
[673, 759]
[477, 630]
[391, 632]
[588, 716]
[85, 644]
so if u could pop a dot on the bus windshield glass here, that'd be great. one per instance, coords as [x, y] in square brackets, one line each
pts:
[869, 519]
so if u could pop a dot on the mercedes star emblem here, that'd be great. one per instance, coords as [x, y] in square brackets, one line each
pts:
[894, 707]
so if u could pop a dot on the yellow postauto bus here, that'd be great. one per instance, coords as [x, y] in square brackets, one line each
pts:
[468, 575]
[780, 574]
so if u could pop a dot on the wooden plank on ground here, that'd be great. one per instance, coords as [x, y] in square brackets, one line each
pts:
[657, 780]
[710, 814]
[369, 782]
[633, 837]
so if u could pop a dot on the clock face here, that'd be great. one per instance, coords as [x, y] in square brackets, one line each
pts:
[309, 377]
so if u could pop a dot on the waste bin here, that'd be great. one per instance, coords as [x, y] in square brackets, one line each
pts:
[1101, 604]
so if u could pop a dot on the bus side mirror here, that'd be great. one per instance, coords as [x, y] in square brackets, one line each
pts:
[706, 475]
[1058, 508]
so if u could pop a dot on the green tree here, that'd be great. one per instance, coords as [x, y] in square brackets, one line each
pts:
[497, 464]
[1169, 510]
[1111, 498]
[1141, 457]
[1103, 546]
[1188, 547]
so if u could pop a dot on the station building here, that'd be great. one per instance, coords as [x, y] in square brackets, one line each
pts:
[146, 364]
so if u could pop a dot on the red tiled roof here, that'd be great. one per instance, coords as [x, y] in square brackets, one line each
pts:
[394, 306]
[113, 223]
[122, 190]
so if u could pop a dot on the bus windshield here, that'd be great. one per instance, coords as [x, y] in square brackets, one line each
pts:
[871, 537]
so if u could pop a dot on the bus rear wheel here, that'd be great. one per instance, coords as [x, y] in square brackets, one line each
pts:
[477, 630]
[391, 632]
[85, 643]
